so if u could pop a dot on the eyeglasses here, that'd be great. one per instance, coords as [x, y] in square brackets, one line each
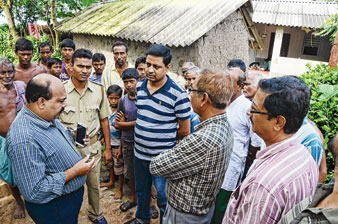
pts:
[190, 90]
[259, 112]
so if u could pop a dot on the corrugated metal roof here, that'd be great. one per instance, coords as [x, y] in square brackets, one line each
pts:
[170, 22]
[296, 13]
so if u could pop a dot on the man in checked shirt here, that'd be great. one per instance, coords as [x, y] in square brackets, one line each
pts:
[195, 167]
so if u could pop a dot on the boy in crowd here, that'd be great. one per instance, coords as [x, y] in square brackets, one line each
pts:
[140, 66]
[54, 66]
[67, 50]
[114, 94]
[125, 120]
[25, 70]
[99, 63]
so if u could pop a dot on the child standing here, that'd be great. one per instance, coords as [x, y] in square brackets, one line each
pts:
[114, 94]
[126, 120]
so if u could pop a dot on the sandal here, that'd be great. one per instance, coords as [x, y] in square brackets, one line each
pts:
[127, 205]
[134, 221]
[154, 212]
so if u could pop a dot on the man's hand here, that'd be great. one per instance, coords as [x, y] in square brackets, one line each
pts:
[106, 155]
[83, 167]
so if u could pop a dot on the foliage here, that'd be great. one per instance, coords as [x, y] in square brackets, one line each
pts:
[329, 28]
[323, 82]
[7, 44]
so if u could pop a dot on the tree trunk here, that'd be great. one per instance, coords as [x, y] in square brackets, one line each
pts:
[53, 15]
[7, 10]
[334, 53]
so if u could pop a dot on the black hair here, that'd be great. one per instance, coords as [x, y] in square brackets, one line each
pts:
[67, 43]
[99, 57]
[237, 63]
[52, 61]
[82, 53]
[130, 73]
[331, 148]
[36, 90]
[114, 89]
[140, 60]
[45, 44]
[119, 43]
[289, 97]
[160, 50]
[22, 44]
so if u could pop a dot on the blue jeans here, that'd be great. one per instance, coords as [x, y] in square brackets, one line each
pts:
[143, 180]
[62, 210]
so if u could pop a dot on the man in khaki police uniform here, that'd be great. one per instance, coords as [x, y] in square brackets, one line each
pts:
[87, 103]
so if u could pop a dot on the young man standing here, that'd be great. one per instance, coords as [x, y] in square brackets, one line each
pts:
[25, 70]
[67, 50]
[163, 116]
[87, 103]
[99, 63]
[140, 65]
[45, 51]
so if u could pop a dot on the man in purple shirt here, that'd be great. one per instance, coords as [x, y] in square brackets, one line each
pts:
[284, 173]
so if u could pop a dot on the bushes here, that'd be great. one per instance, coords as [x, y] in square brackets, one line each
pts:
[323, 82]
[7, 46]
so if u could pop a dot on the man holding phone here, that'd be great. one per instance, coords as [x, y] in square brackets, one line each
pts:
[47, 168]
[87, 104]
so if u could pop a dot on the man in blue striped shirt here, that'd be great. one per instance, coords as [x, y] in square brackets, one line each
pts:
[163, 116]
[47, 168]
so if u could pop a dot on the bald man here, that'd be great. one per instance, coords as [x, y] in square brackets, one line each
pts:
[47, 168]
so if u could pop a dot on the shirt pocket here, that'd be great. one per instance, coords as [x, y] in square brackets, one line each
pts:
[68, 115]
[92, 112]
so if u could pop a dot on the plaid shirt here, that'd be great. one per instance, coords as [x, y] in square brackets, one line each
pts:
[195, 167]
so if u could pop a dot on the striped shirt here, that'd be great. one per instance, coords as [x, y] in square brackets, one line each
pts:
[157, 118]
[282, 175]
[40, 152]
[308, 137]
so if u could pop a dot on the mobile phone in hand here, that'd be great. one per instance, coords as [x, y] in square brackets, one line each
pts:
[80, 134]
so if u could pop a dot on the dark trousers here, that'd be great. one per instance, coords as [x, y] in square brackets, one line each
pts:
[143, 180]
[62, 210]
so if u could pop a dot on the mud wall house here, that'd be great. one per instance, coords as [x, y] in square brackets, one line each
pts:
[209, 33]
[286, 28]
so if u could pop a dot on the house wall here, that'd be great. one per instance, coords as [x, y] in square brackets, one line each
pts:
[296, 43]
[226, 41]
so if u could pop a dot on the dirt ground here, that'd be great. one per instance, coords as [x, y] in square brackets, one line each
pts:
[111, 209]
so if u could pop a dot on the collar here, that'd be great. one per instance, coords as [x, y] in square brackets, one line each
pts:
[38, 121]
[165, 87]
[214, 119]
[276, 148]
[71, 87]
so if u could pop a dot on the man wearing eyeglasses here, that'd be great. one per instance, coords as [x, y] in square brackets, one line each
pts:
[284, 173]
[241, 125]
[195, 167]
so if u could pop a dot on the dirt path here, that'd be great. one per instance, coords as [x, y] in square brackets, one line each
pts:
[110, 210]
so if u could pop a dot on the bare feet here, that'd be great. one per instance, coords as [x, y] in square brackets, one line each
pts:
[118, 194]
[109, 185]
[20, 211]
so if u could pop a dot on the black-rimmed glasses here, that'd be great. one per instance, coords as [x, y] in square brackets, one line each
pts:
[259, 112]
[190, 90]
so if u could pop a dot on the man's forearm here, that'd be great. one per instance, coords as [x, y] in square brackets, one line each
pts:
[106, 132]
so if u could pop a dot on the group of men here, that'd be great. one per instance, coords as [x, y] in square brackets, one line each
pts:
[247, 161]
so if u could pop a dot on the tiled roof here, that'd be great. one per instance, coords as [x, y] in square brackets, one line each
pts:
[170, 22]
[295, 13]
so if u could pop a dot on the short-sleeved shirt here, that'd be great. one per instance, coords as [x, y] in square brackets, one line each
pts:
[20, 89]
[128, 107]
[111, 76]
[157, 117]
[88, 107]
[114, 133]
[63, 76]
[95, 78]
